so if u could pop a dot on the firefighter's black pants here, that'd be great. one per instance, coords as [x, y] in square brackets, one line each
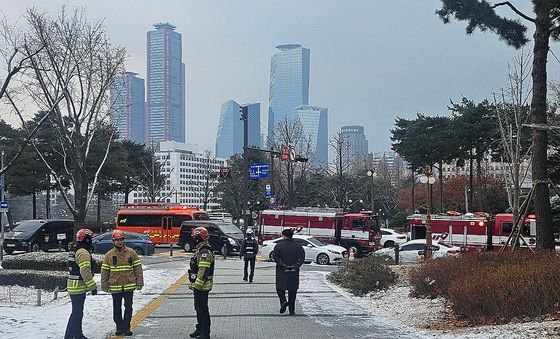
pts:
[202, 312]
[123, 324]
[247, 262]
[74, 327]
[291, 298]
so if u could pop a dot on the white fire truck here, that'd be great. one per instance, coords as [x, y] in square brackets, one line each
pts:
[357, 231]
[472, 232]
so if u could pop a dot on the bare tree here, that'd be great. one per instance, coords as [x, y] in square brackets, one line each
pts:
[340, 168]
[77, 62]
[512, 111]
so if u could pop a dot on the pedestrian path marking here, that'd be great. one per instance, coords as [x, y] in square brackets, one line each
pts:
[154, 304]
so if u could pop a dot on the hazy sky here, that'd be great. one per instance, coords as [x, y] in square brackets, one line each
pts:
[371, 60]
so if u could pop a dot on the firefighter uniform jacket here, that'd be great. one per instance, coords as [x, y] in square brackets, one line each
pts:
[121, 271]
[249, 248]
[202, 264]
[80, 273]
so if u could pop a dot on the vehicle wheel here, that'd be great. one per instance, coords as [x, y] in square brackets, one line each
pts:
[224, 250]
[8, 250]
[187, 247]
[389, 243]
[139, 251]
[35, 248]
[323, 259]
[271, 255]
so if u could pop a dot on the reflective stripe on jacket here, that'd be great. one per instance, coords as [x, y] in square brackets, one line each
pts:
[121, 270]
[205, 268]
[80, 277]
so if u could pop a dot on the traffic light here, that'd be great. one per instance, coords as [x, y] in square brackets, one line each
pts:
[244, 112]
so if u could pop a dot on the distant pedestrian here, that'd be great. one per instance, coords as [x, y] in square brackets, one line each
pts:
[249, 249]
[80, 281]
[201, 276]
[289, 256]
[121, 274]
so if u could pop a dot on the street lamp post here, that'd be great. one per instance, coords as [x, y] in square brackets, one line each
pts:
[428, 179]
[372, 175]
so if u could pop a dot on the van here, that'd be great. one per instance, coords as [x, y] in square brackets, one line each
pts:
[39, 235]
[224, 216]
[222, 236]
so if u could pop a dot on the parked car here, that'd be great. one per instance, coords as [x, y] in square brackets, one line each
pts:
[223, 236]
[139, 242]
[411, 251]
[315, 250]
[39, 235]
[391, 237]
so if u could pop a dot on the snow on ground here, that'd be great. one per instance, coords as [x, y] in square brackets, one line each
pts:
[21, 319]
[431, 317]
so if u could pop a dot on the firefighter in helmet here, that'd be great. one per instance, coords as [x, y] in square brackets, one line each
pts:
[121, 274]
[201, 274]
[80, 281]
[249, 250]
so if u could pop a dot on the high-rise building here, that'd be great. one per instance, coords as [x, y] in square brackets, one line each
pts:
[128, 113]
[356, 146]
[166, 85]
[315, 127]
[289, 84]
[229, 139]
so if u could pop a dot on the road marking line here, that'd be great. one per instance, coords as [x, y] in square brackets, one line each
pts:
[154, 304]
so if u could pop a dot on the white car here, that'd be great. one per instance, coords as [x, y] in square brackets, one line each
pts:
[411, 251]
[315, 250]
[391, 237]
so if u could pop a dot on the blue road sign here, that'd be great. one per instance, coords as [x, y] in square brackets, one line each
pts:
[268, 193]
[4, 206]
[258, 171]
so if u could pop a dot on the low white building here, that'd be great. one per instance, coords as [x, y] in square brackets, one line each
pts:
[189, 174]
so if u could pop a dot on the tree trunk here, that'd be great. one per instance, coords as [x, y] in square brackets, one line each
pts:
[98, 218]
[48, 202]
[545, 236]
[126, 192]
[480, 186]
[441, 187]
[413, 186]
[471, 186]
[34, 204]
[80, 200]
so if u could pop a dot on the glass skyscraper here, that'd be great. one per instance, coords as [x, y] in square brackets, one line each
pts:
[166, 85]
[128, 113]
[315, 127]
[229, 139]
[356, 148]
[289, 84]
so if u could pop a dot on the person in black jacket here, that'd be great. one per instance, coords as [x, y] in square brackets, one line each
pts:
[249, 250]
[289, 257]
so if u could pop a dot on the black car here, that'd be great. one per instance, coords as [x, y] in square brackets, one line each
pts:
[140, 243]
[39, 235]
[222, 236]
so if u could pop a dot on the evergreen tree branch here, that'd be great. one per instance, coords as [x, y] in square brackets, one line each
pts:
[518, 12]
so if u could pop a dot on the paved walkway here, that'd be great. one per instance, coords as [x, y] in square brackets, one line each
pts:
[242, 310]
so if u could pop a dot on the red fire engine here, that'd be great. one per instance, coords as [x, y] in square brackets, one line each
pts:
[471, 232]
[358, 231]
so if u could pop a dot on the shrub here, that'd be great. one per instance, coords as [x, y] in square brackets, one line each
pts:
[364, 275]
[491, 287]
[42, 261]
[46, 280]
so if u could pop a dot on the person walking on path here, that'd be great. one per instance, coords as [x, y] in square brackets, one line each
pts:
[201, 275]
[289, 256]
[121, 274]
[80, 281]
[249, 250]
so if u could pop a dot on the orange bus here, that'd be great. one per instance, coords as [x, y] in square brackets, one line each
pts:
[161, 222]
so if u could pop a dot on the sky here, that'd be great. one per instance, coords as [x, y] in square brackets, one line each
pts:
[371, 60]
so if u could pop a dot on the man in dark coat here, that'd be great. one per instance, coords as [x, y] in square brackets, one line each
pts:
[289, 257]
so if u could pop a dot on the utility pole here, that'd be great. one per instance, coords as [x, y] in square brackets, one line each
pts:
[245, 117]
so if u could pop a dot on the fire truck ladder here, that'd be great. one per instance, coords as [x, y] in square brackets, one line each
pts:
[515, 235]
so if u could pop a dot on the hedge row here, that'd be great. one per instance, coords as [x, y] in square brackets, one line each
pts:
[46, 280]
[364, 275]
[42, 261]
[493, 288]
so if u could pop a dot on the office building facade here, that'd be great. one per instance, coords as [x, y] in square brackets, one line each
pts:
[314, 120]
[289, 84]
[165, 85]
[229, 139]
[128, 107]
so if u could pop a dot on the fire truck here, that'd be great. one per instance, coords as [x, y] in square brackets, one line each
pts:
[472, 231]
[355, 231]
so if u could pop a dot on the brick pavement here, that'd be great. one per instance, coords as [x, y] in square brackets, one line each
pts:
[242, 310]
